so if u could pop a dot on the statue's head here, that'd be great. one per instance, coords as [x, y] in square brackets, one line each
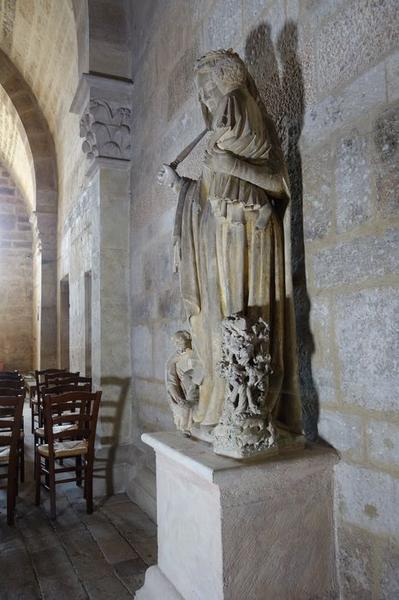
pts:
[182, 340]
[217, 73]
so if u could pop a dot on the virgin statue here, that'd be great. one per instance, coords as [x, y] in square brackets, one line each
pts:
[231, 253]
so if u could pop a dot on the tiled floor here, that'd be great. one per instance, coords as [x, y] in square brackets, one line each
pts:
[102, 556]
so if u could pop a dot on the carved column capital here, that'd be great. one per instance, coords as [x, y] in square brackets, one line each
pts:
[106, 129]
[104, 106]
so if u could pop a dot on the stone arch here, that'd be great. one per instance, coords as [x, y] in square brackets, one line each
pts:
[44, 209]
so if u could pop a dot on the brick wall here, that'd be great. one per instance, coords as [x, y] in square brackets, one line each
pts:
[16, 340]
[328, 73]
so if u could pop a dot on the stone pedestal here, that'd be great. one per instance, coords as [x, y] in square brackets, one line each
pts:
[229, 529]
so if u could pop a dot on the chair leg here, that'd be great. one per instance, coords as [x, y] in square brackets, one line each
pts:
[22, 457]
[37, 477]
[35, 444]
[79, 471]
[10, 500]
[89, 487]
[53, 512]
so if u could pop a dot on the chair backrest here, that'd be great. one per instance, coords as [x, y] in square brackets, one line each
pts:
[39, 375]
[12, 383]
[10, 423]
[10, 375]
[62, 389]
[58, 410]
[7, 391]
[50, 377]
[77, 380]
[60, 381]
[85, 380]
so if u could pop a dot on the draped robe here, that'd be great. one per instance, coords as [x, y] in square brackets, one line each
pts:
[227, 264]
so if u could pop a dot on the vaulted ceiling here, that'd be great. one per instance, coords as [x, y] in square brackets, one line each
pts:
[39, 37]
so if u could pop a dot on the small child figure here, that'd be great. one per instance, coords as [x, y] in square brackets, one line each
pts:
[183, 391]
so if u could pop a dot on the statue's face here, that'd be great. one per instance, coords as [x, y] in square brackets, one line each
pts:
[209, 92]
[181, 343]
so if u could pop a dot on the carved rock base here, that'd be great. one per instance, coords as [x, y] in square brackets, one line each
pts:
[227, 529]
[253, 440]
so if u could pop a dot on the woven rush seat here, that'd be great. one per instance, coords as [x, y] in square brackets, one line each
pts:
[4, 454]
[56, 429]
[65, 449]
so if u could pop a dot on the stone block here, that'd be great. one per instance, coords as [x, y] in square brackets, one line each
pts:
[354, 38]
[367, 339]
[144, 308]
[390, 571]
[338, 110]
[170, 305]
[181, 81]
[7, 222]
[383, 443]
[112, 544]
[368, 498]
[145, 390]
[356, 260]
[352, 182]
[392, 66]
[142, 351]
[343, 431]
[223, 26]
[253, 10]
[131, 573]
[318, 196]
[320, 324]
[156, 416]
[324, 381]
[7, 191]
[385, 161]
[355, 563]
[103, 588]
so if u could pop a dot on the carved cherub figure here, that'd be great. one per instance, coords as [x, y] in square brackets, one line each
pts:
[183, 391]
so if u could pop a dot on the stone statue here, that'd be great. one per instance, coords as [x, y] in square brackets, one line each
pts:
[230, 250]
[183, 391]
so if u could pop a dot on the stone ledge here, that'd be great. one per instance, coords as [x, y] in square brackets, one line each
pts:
[199, 458]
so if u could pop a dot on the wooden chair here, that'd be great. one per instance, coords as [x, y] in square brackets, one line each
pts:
[77, 441]
[35, 398]
[17, 391]
[39, 433]
[10, 425]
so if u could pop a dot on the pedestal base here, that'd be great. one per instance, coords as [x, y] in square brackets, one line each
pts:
[227, 529]
[157, 586]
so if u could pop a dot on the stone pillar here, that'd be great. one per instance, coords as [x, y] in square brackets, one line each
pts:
[44, 228]
[104, 106]
[228, 529]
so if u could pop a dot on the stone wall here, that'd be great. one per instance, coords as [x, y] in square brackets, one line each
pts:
[328, 72]
[16, 277]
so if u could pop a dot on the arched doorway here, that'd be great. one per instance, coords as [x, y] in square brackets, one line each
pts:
[27, 151]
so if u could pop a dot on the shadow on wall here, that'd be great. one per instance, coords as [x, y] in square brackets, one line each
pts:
[112, 408]
[283, 96]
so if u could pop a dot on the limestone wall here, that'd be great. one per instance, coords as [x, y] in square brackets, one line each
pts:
[328, 72]
[16, 277]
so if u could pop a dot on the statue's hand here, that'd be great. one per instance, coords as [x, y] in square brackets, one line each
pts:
[168, 176]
